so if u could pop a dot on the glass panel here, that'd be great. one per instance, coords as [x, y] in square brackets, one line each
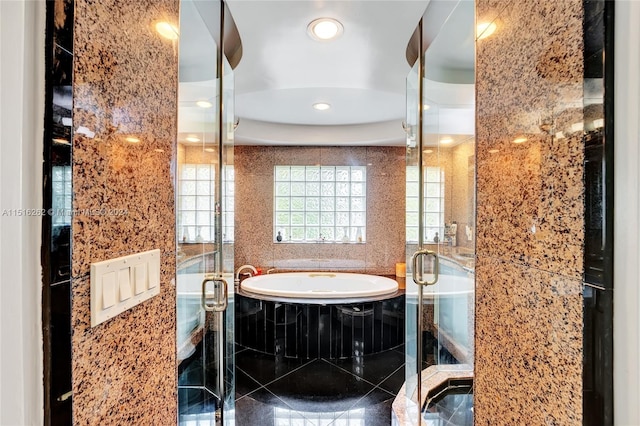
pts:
[412, 223]
[204, 219]
[441, 216]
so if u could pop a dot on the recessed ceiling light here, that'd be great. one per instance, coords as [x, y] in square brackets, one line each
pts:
[493, 151]
[520, 140]
[167, 30]
[321, 106]
[446, 140]
[485, 29]
[132, 139]
[192, 139]
[325, 29]
[204, 104]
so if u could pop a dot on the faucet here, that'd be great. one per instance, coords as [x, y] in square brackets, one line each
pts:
[236, 281]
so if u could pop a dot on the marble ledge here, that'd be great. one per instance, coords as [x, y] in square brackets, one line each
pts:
[404, 411]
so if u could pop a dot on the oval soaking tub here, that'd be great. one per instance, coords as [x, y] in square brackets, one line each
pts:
[319, 285]
[309, 315]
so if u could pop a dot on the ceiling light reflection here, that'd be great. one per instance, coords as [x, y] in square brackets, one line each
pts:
[167, 30]
[485, 29]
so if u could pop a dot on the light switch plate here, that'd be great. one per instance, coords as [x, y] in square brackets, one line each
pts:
[124, 283]
[119, 284]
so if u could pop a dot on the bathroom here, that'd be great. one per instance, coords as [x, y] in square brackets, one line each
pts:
[492, 228]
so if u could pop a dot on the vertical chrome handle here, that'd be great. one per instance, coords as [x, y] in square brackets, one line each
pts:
[220, 294]
[436, 267]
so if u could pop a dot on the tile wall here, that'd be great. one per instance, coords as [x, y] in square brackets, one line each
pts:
[529, 76]
[124, 87]
[254, 240]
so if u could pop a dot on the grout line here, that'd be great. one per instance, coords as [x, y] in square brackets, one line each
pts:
[362, 378]
[349, 372]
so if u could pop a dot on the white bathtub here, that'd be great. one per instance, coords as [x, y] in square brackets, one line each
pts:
[319, 285]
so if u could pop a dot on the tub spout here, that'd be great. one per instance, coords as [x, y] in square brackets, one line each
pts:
[236, 281]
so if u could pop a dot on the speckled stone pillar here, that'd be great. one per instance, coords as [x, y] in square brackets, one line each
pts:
[125, 79]
[528, 363]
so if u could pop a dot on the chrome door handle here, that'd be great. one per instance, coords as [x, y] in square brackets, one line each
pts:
[220, 294]
[436, 269]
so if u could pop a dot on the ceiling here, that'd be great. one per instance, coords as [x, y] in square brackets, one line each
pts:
[362, 74]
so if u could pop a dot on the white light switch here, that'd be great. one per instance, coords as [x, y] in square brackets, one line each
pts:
[124, 281]
[154, 272]
[141, 277]
[120, 284]
[108, 290]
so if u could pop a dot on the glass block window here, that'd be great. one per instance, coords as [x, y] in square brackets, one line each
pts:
[196, 203]
[433, 203]
[320, 203]
[61, 201]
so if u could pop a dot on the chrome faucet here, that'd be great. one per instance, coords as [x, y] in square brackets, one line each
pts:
[236, 281]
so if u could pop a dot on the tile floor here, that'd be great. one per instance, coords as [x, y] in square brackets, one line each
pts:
[318, 391]
[281, 391]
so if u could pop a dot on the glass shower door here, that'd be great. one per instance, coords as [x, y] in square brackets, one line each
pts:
[440, 235]
[204, 210]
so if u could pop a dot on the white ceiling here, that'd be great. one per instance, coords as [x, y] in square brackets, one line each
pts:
[362, 74]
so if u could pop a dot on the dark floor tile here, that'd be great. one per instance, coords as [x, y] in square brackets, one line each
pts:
[266, 368]
[394, 382]
[374, 397]
[400, 349]
[244, 384]
[373, 368]
[251, 412]
[274, 411]
[372, 411]
[379, 414]
[320, 386]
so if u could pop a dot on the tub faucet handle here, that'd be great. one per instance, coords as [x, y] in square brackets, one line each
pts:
[236, 281]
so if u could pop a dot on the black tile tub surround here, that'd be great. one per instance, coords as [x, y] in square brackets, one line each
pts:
[307, 331]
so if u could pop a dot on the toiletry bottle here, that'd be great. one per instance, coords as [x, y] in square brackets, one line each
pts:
[345, 236]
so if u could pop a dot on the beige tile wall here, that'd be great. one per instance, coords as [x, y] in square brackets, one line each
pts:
[528, 364]
[385, 210]
[125, 84]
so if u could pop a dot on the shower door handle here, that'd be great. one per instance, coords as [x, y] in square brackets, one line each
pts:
[436, 267]
[220, 290]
